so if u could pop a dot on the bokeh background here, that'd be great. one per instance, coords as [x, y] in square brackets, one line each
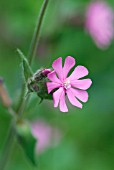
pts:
[87, 135]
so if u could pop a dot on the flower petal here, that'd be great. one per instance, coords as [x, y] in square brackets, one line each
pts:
[72, 99]
[79, 72]
[57, 66]
[56, 96]
[63, 106]
[51, 86]
[80, 94]
[69, 63]
[82, 84]
[52, 76]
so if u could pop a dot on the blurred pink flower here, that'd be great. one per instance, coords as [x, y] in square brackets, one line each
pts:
[99, 23]
[71, 86]
[46, 135]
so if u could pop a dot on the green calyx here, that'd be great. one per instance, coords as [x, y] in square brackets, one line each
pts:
[37, 84]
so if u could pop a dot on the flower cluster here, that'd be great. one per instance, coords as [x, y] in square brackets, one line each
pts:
[99, 23]
[71, 86]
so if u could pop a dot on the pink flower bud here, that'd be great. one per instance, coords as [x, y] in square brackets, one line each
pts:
[46, 71]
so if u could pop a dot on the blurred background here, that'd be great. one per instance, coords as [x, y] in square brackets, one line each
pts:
[87, 141]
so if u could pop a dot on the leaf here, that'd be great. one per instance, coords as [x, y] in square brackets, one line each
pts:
[26, 139]
[27, 71]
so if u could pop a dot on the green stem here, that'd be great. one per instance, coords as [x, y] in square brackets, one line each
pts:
[23, 105]
[22, 97]
[31, 54]
[35, 39]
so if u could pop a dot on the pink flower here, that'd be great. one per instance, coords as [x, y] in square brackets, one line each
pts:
[99, 23]
[45, 134]
[71, 86]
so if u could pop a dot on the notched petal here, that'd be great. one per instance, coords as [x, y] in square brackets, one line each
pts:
[63, 106]
[56, 96]
[69, 63]
[82, 95]
[51, 86]
[82, 84]
[72, 99]
[57, 66]
[79, 72]
[52, 76]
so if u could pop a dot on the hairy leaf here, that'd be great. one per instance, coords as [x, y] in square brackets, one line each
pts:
[27, 71]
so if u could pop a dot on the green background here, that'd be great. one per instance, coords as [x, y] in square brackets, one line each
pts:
[88, 134]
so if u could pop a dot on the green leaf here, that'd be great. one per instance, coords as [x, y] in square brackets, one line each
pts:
[26, 139]
[27, 71]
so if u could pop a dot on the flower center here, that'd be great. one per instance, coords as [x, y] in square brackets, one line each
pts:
[66, 84]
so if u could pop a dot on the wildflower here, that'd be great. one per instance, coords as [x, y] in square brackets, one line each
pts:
[45, 134]
[71, 86]
[99, 23]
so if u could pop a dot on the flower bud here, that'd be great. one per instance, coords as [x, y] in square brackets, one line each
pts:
[37, 83]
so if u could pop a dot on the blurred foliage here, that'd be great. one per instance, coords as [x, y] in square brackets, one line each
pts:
[26, 139]
[88, 142]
